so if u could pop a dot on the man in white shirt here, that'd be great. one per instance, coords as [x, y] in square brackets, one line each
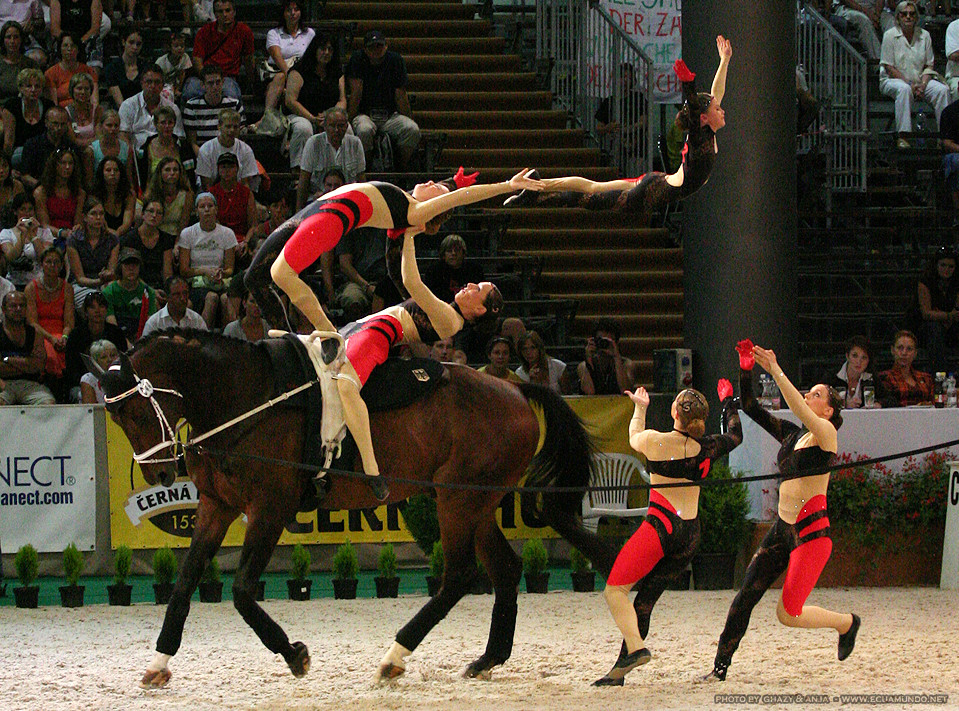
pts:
[175, 314]
[227, 142]
[333, 147]
[136, 113]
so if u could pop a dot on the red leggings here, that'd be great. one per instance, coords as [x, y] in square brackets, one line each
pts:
[321, 227]
[370, 345]
[644, 549]
[806, 561]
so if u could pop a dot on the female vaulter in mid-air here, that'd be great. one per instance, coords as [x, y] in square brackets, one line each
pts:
[701, 116]
[319, 226]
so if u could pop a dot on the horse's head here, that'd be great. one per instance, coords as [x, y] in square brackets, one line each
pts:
[147, 409]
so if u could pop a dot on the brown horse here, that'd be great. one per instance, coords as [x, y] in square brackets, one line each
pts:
[473, 429]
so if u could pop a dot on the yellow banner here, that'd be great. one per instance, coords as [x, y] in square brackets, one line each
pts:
[145, 516]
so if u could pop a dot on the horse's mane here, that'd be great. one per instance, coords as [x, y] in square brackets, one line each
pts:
[205, 338]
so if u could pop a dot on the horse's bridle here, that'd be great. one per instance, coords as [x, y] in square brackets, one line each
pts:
[144, 388]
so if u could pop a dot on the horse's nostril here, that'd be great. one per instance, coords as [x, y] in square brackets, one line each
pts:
[168, 476]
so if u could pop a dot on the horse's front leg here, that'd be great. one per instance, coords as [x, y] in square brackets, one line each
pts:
[504, 570]
[262, 533]
[212, 521]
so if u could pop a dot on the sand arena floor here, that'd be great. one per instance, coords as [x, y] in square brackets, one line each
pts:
[92, 658]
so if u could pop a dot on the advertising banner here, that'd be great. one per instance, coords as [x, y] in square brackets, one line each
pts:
[656, 26]
[47, 478]
[145, 516]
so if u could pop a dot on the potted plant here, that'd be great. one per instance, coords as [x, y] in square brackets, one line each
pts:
[27, 562]
[387, 582]
[725, 529]
[71, 594]
[164, 573]
[211, 587]
[582, 575]
[345, 567]
[481, 585]
[419, 515]
[535, 561]
[298, 586]
[120, 592]
[437, 563]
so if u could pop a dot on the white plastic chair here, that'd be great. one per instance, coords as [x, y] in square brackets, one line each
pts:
[612, 469]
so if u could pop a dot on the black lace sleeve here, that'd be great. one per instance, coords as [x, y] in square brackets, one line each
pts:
[780, 429]
[720, 445]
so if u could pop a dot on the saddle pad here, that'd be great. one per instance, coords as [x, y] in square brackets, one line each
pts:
[400, 382]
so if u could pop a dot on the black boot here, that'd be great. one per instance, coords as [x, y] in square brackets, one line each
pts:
[524, 198]
[847, 640]
[625, 664]
[329, 348]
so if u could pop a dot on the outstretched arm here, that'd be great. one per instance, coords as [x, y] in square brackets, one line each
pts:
[446, 321]
[422, 212]
[822, 429]
[638, 434]
[719, 81]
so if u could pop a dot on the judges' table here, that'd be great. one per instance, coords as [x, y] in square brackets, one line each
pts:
[873, 433]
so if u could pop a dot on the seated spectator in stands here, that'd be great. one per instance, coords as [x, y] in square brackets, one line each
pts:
[57, 89]
[103, 353]
[84, 20]
[226, 141]
[92, 327]
[10, 187]
[604, 371]
[864, 18]
[452, 271]
[24, 242]
[175, 65]
[110, 186]
[22, 115]
[92, 252]
[331, 148]
[285, 44]
[225, 43]
[38, 149]
[906, 69]
[279, 207]
[165, 144]
[314, 85]
[949, 140]
[620, 123]
[27, 16]
[442, 350]
[378, 102]
[154, 246]
[854, 373]
[360, 260]
[130, 302]
[169, 184]
[50, 312]
[111, 143]
[136, 113]
[236, 206]
[514, 330]
[952, 61]
[201, 114]
[59, 196]
[251, 326]
[536, 366]
[22, 356]
[6, 286]
[121, 75]
[499, 352]
[176, 313]
[84, 114]
[902, 384]
[12, 57]
[207, 253]
[386, 292]
[935, 308]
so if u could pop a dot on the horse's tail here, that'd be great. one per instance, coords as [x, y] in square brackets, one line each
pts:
[564, 460]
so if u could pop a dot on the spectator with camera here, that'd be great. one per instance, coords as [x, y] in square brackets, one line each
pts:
[604, 370]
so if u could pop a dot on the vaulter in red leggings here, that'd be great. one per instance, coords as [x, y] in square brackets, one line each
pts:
[798, 542]
[666, 541]
[701, 116]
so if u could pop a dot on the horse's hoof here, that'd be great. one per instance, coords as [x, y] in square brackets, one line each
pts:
[299, 661]
[482, 668]
[388, 672]
[155, 679]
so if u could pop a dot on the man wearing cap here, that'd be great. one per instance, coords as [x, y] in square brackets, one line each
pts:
[176, 313]
[130, 302]
[378, 102]
[226, 141]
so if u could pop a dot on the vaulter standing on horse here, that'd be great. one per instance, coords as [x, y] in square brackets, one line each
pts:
[300, 241]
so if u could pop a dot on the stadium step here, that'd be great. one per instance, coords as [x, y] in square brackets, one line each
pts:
[517, 138]
[481, 100]
[491, 120]
[469, 81]
[386, 12]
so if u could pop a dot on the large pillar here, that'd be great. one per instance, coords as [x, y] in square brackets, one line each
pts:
[739, 230]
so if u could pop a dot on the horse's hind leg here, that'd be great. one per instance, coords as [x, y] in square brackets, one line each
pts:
[457, 539]
[212, 522]
[261, 538]
[505, 571]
